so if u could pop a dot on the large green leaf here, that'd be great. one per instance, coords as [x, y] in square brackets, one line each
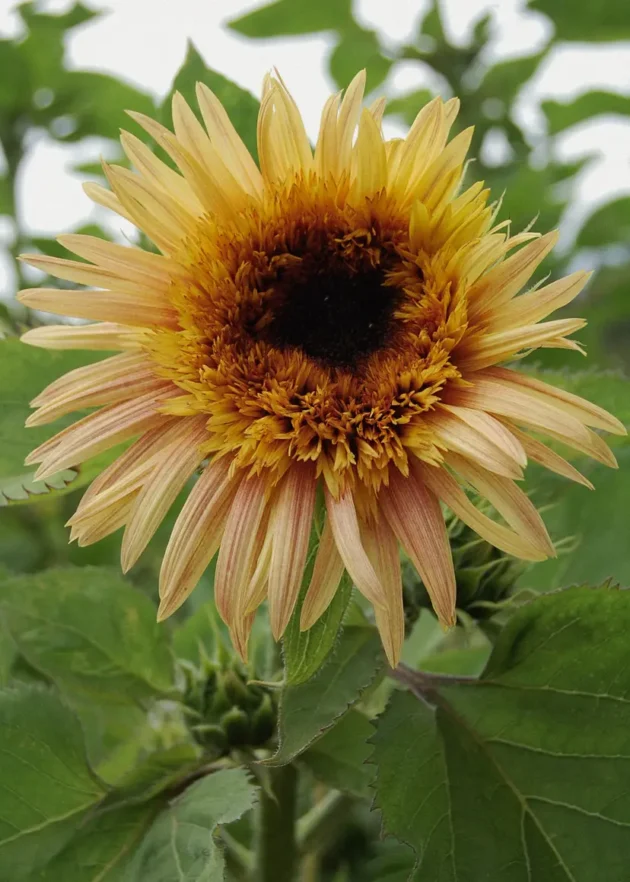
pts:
[180, 844]
[46, 785]
[288, 18]
[90, 631]
[607, 20]
[562, 115]
[339, 757]
[240, 105]
[24, 370]
[101, 849]
[310, 708]
[359, 48]
[520, 776]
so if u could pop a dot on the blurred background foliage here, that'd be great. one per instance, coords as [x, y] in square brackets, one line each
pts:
[39, 93]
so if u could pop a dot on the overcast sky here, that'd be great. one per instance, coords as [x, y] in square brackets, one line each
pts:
[144, 41]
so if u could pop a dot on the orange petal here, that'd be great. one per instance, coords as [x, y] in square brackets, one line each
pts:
[236, 561]
[292, 519]
[107, 382]
[100, 431]
[179, 460]
[382, 549]
[196, 534]
[415, 516]
[345, 528]
[327, 572]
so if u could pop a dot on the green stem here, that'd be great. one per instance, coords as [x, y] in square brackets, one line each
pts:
[315, 826]
[275, 834]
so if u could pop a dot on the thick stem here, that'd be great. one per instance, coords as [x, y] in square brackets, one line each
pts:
[275, 834]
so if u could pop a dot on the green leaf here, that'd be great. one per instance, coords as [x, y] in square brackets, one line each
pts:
[24, 370]
[181, 844]
[45, 782]
[90, 631]
[607, 20]
[288, 18]
[505, 79]
[306, 651]
[521, 775]
[339, 757]
[155, 772]
[100, 850]
[98, 103]
[608, 225]
[308, 709]
[561, 115]
[358, 49]
[239, 104]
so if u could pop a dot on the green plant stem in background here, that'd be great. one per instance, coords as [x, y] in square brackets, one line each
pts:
[275, 843]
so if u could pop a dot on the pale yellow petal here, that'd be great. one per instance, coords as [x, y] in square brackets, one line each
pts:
[477, 352]
[104, 336]
[536, 305]
[99, 432]
[540, 453]
[446, 488]
[508, 499]
[588, 413]
[144, 311]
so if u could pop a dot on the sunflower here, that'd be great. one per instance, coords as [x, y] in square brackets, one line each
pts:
[330, 322]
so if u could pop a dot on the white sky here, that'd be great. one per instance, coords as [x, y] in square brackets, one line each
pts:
[144, 41]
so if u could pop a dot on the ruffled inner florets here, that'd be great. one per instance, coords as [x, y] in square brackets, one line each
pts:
[313, 332]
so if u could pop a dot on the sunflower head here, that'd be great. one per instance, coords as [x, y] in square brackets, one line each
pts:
[335, 318]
